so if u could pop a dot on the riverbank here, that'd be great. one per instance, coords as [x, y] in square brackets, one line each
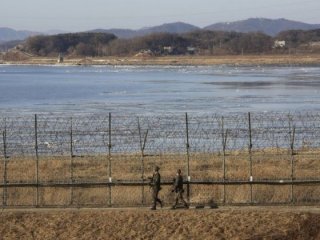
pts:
[236, 60]
[226, 223]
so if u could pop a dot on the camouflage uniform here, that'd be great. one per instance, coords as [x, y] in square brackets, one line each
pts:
[178, 189]
[155, 185]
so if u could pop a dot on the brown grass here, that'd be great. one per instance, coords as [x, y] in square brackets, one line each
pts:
[225, 223]
[269, 164]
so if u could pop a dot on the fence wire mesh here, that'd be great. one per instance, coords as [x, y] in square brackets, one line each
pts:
[104, 160]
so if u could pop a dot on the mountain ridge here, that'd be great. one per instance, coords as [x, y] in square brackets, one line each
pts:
[268, 26]
[9, 34]
[175, 27]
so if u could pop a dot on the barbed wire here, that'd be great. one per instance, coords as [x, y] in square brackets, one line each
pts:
[90, 134]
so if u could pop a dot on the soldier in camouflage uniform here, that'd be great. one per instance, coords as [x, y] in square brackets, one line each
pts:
[155, 186]
[178, 190]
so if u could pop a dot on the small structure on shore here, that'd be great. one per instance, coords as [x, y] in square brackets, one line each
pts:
[145, 53]
[60, 58]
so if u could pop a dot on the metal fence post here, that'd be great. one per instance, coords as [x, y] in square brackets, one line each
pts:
[224, 136]
[71, 161]
[292, 131]
[4, 193]
[37, 156]
[250, 157]
[109, 161]
[142, 147]
[223, 160]
[188, 157]
[142, 162]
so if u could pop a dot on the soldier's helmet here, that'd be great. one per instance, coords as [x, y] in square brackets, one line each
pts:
[156, 168]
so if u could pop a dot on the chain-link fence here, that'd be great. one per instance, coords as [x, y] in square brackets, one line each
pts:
[104, 160]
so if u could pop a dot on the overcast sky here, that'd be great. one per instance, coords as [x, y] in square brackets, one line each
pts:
[77, 15]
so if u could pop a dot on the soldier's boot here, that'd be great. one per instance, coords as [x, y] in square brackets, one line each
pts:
[154, 205]
[186, 205]
[175, 205]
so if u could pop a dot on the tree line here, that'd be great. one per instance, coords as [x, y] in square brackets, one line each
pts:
[79, 44]
[198, 42]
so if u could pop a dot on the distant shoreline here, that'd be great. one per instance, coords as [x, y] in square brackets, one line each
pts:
[236, 60]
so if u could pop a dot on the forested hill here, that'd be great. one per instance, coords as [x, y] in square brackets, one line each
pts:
[80, 44]
[199, 42]
[105, 44]
[296, 38]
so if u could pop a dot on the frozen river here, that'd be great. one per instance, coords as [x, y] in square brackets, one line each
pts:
[158, 89]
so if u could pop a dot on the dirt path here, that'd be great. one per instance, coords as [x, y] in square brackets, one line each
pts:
[301, 59]
[129, 223]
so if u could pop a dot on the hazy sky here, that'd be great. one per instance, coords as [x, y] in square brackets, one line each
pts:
[77, 15]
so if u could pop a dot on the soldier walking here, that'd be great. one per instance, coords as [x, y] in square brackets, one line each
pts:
[155, 186]
[178, 190]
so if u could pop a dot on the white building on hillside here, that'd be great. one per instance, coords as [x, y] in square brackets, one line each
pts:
[279, 44]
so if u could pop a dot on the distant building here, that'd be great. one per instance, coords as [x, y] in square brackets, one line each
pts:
[191, 50]
[18, 47]
[314, 44]
[144, 53]
[168, 49]
[279, 44]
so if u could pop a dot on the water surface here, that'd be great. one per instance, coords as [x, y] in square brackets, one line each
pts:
[158, 89]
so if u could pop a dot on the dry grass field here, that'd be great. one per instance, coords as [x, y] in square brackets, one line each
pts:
[254, 223]
[267, 165]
